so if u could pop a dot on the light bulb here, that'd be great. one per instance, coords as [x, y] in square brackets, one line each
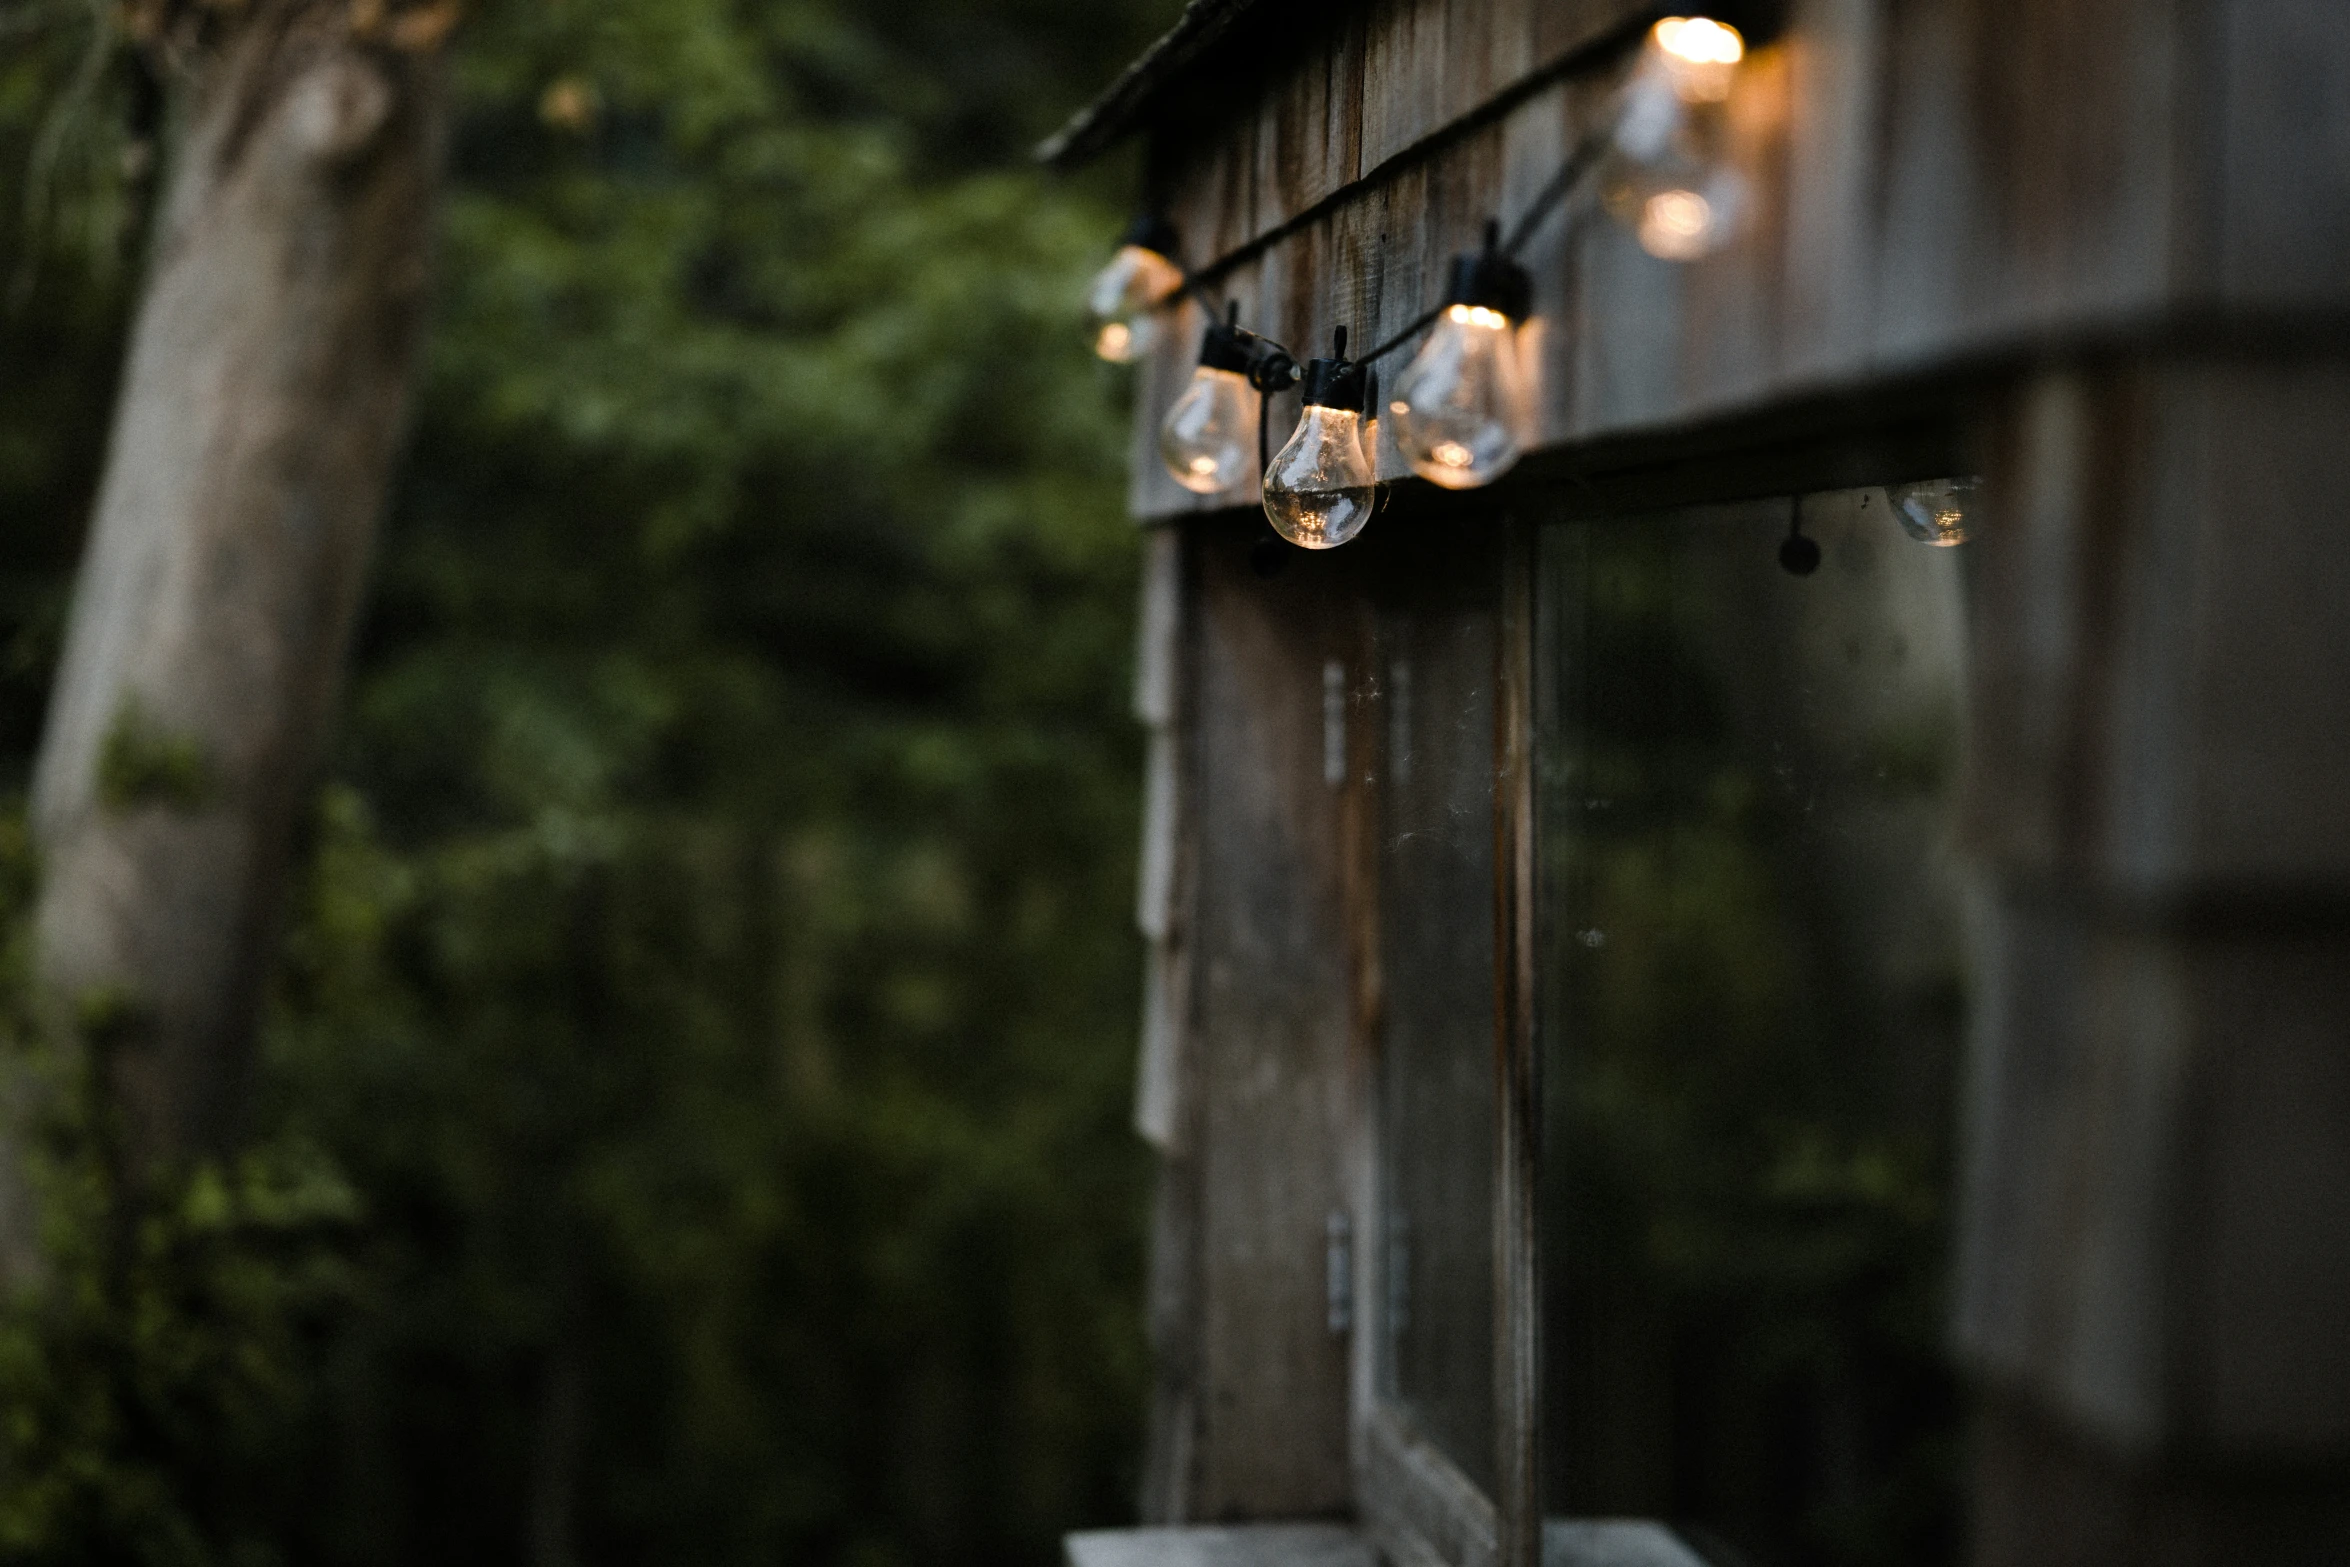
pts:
[1460, 405]
[1321, 490]
[1127, 298]
[1668, 176]
[1697, 55]
[1681, 214]
[1205, 439]
[1933, 511]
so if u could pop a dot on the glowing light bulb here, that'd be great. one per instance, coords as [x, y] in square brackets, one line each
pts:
[1668, 177]
[1321, 488]
[1696, 54]
[1128, 298]
[1676, 224]
[1205, 439]
[1461, 406]
[1933, 511]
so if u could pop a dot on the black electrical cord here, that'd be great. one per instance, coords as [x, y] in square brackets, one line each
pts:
[1580, 162]
[1264, 434]
[1276, 366]
[1421, 324]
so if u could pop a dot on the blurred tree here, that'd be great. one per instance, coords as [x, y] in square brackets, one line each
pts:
[710, 979]
[253, 438]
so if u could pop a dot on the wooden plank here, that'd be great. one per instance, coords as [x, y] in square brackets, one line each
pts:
[1159, 1077]
[2042, 1497]
[1367, 751]
[1834, 97]
[1422, 1511]
[1173, 1309]
[1373, 86]
[2156, 1245]
[1158, 629]
[2162, 691]
[2230, 757]
[1160, 880]
[1273, 1009]
[1517, 1222]
[2283, 152]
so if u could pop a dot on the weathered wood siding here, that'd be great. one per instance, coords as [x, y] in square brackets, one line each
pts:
[1941, 182]
[2154, 1272]
[1254, 1422]
[2117, 230]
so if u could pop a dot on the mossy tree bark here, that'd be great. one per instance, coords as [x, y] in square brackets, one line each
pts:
[257, 423]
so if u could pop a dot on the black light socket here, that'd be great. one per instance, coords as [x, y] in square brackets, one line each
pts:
[1227, 347]
[1151, 232]
[1759, 22]
[1490, 279]
[1336, 382]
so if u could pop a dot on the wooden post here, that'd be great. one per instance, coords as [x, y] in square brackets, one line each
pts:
[1252, 1416]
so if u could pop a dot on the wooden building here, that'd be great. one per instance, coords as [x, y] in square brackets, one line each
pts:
[1660, 1058]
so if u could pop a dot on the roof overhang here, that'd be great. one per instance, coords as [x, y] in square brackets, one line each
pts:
[1128, 101]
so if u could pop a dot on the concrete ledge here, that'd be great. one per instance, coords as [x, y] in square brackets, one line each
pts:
[1245, 1545]
[1601, 1542]
[1614, 1542]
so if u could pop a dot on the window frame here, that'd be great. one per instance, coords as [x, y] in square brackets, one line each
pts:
[1418, 1506]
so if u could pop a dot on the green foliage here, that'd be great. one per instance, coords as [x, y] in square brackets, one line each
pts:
[156, 1388]
[710, 983]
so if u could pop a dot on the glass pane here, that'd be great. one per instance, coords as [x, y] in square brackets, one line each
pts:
[1752, 990]
[1436, 966]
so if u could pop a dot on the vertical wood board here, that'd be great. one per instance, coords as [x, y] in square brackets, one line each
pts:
[1274, 1006]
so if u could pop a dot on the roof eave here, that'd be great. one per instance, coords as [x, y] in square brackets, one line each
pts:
[1125, 104]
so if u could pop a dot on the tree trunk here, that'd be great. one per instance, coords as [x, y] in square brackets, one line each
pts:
[259, 415]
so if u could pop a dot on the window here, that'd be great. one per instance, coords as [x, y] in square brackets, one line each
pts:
[1751, 984]
[1747, 974]
[1435, 664]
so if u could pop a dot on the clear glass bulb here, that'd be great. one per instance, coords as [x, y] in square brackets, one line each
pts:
[1933, 511]
[1697, 55]
[1460, 405]
[1206, 436]
[1668, 176]
[1125, 300]
[1680, 209]
[1321, 490]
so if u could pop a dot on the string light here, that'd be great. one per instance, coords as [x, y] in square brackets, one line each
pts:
[1668, 176]
[1933, 511]
[1204, 439]
[1463, 408]
[1127, 298]
[1697, 53]
[1321, 488]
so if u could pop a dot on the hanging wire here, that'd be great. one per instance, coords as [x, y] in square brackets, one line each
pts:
[1420, 324]
[1579, 163]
